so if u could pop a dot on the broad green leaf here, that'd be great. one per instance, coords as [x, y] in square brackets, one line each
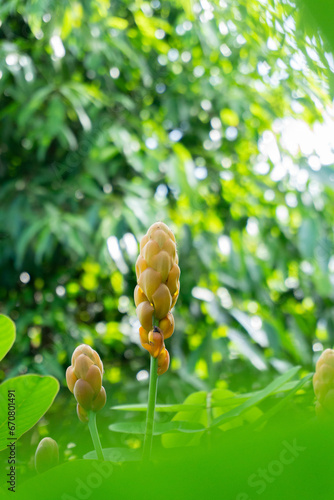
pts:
[7, 335]
[116, 455]
[159, 408]
[159, 428]
[185, 407]
[196, 417]
[283, 401]
[33, 397]
[260, 396]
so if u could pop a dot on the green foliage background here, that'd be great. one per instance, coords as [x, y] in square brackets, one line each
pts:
[118, 114]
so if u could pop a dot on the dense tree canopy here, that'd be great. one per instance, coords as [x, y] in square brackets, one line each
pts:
[214, 117]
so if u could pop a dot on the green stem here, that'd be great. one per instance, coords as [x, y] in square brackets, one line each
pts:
[152, 396]
[95, 435]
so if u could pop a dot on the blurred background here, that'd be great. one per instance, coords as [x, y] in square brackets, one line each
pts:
[214, 117]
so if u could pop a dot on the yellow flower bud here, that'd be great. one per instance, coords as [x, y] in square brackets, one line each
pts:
[145, 315]
[163, 361]
[94, 379]
[83, 393]
[162, 301]
[152, 341]
[47, 455]
[82, 414]
[166, 325]
[100, 400]
[149, 281]
[139, 296]
[173, 279]
[84, 379]
[151, 250]
[70, 378]
[162, 263]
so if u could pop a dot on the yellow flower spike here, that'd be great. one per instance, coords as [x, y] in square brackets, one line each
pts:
[162, 301]
[158, 277]
[323, 384]
[166, 325]
[145, 315]
[87, 367]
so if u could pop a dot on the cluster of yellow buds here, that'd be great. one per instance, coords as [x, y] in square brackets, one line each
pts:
[158, 278]
[84, 380]
[323, 383]
[154, 343]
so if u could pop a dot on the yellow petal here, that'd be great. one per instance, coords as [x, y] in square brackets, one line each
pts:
[145, 315]
[160, 237]
[141, 265]
[143, 242]
[162, 301]
[173, 279]
[170, 248]
[149, 281]
[150, 251]
[166, 325]
[162, 263]
[163, 361]
[139, 296]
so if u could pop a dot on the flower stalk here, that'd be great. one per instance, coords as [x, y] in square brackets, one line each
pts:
[95, 435]
[152, 397]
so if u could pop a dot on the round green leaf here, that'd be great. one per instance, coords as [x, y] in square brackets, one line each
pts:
[7, 335]
[34, 395]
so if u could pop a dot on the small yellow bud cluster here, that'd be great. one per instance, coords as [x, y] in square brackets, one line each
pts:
[84, 380]
[323, 383]
[158, 278]
[154, 343]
